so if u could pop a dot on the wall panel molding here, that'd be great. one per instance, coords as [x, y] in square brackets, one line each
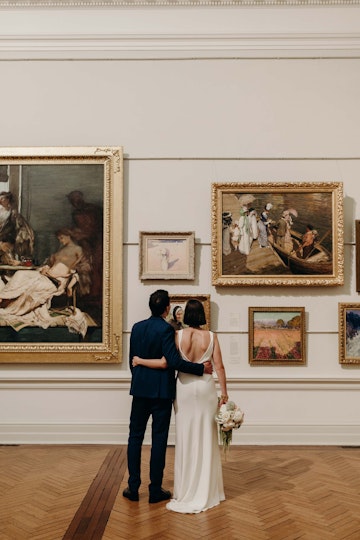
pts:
[113, 433]
[179, 46]
[313, 384]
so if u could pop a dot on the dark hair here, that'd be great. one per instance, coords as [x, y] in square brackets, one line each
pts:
[7, 195]
[175, 310]
[309, 226]
[158, 302]
[194, 313]
[64, 231]
[75, 193]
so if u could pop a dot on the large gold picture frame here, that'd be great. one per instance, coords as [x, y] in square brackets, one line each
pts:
[277, 234]
[349, 333]
[61, 257]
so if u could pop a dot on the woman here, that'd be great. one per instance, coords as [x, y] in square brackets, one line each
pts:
[245, 232]
[263, 226]
[30, 290]
[253, 223]
[177, 318]
[288, 240]
[198, 481]
[226, 224]
[14, 229]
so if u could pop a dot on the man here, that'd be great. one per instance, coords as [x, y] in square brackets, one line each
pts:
[308, 241]
[153, 391]
[88, 232]
[281, 228]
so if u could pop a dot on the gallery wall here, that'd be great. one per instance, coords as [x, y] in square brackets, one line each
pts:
[194, 96]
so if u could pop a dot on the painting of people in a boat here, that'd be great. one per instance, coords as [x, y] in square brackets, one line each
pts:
[278, 234]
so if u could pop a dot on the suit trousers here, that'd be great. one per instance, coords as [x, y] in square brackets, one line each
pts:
[141, 410]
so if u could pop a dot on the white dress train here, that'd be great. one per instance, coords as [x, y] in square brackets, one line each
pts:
[198, 481]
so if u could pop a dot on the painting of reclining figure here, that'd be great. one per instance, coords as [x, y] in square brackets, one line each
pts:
[54, 250]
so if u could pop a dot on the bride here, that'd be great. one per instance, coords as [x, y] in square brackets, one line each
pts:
[198, 481]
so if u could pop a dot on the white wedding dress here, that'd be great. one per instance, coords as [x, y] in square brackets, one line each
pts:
[198, 481]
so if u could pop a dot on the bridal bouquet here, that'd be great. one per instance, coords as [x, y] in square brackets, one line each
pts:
[228, 417]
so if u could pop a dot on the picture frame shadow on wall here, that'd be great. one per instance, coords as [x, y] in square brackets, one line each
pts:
[61, 255]
[277, 234]
[177, 308]
[277, 336]
[349, 333]
[167, 255]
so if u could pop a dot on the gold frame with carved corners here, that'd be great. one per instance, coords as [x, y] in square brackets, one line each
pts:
[58, 171]
[284, 269]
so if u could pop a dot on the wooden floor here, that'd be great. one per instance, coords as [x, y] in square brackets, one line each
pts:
[277, 493]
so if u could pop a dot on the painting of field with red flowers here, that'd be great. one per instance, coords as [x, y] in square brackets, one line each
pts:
[276, 336]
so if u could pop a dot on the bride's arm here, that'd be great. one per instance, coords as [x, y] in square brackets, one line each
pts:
[154, 363]
[220, 371]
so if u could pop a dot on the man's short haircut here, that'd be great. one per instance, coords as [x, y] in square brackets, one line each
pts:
[159, 301]
[194, 313]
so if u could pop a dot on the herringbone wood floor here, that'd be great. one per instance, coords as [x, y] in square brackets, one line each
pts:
[272, 493]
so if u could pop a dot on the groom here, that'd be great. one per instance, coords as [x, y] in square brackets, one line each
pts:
[153, 391]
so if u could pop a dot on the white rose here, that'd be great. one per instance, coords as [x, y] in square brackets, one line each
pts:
[226, 416]
[238, 416]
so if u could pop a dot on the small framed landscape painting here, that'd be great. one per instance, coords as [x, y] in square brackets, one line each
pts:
[167, 255]
[277, 336]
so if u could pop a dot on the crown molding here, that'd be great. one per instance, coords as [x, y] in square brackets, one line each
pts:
[51, 4]
[181, 46]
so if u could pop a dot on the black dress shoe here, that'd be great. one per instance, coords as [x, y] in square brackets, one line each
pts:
[162, 495]
[131, 495]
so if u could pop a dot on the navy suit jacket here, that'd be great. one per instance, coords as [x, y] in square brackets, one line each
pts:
[155, 338]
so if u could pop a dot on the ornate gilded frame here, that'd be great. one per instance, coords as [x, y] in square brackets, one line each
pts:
[349, 333]
[322, 200]
[57, 171]
[277, 336]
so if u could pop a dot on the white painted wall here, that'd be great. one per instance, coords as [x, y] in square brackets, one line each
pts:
[195, 96]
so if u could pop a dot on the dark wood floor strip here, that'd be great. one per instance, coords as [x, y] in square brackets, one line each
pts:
[91, 518]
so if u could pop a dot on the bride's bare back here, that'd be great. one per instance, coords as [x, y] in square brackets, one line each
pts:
[194, 343]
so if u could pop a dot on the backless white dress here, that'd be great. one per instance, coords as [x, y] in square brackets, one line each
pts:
[198, 481]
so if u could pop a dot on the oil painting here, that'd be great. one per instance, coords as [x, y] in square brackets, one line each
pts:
[277, 234]
[349, 333]
[177, 308]
[60, 280]
[277, 336]
[167, 255]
